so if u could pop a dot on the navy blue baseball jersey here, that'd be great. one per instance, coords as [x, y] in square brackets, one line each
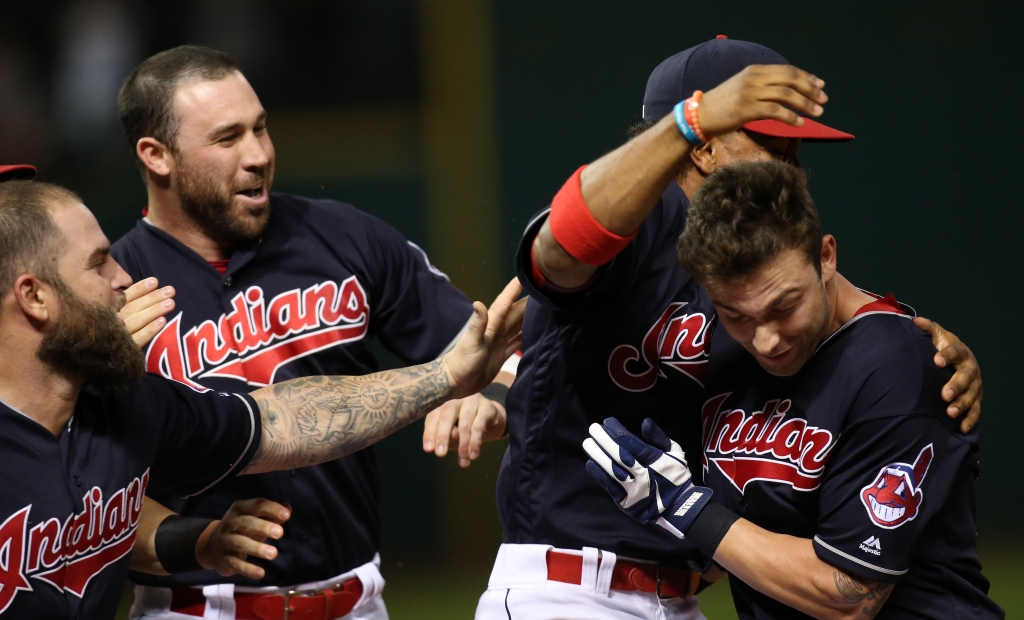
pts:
[854, 451]
[631, 346]
[70, 504]
[306, 300]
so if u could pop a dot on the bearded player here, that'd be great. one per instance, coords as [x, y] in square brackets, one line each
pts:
[269, 287]
[838, 487]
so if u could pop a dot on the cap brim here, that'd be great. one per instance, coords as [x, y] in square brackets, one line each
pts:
[810, 130]
[8, 173]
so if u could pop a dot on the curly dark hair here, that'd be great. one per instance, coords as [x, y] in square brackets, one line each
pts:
[745, 214]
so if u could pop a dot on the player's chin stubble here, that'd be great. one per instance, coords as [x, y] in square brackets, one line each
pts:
[89, 342]
[211, 207]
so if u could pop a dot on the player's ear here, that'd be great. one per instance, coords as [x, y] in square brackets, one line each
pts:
[828, 258]
[37, 299]
[155, 156]
[703, 157]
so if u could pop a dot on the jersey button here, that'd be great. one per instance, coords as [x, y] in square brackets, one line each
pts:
[78, 480]
[228, 281]
[744, 508]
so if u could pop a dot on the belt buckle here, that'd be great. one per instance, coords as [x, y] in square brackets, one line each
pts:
[287, 604]
[658, 581]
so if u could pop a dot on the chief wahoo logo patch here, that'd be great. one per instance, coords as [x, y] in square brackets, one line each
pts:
[895, 496]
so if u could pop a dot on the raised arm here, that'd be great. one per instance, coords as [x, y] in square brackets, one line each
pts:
[315, 419]
[622, 187]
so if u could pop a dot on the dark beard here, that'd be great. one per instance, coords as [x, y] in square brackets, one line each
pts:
[90, 343]
[209, 206]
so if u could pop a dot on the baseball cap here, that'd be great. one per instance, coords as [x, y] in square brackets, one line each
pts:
[707, 65]
[20, 171]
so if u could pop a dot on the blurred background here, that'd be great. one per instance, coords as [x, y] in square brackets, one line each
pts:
[455, 120]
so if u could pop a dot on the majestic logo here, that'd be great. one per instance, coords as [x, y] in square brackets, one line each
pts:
[895, 495]
[872, 545]
[673, 341]
[764, 445]
[68, 555]
[256, 338]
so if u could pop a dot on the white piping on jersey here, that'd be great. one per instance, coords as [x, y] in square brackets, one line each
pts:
[252, 434]
[451, 345]
[864, 314]
[886, 571]
[540, 215]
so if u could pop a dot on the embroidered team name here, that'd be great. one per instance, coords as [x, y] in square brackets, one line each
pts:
[256, 338]
[673, 341]
[764, 445]
[68, 555]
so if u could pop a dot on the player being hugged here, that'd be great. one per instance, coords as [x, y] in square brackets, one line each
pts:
[838, 487]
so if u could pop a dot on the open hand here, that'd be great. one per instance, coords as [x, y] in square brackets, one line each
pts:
[145, 308]
[469, 421]
[761, 92]
[964, 391]
[492, 336]
[225, 544]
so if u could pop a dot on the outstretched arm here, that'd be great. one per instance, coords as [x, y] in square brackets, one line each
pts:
[315, 419]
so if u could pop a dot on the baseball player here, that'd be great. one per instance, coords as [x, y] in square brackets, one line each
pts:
[615, 327]
[271, 287]
[224, 543]
[87, 432]
[837, 487]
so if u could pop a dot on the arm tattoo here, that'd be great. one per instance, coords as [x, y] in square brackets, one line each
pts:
[854, 592]
[315, 419]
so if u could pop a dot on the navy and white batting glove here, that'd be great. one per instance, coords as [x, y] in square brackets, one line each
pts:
[650, 481]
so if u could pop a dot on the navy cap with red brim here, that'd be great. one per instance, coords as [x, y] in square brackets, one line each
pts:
[705, 66]
[20, 171]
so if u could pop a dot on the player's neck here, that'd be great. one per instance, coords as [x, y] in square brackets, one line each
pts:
[166, 213]
[34, 388]
[845, 300]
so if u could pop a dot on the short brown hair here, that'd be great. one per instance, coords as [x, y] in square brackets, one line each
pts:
[146, 101]
[745, 214]
[28, 234]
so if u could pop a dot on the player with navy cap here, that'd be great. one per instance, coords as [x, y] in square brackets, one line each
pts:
[615, 327]
[835, 486]
[270, 287]
[87, 432]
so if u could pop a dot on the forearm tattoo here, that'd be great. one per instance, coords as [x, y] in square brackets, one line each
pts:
[315, 419]
[853, 592]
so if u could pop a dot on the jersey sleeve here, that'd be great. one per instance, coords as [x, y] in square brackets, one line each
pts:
[610, 277]
[887, 480]
[205, 437]
[419, 313]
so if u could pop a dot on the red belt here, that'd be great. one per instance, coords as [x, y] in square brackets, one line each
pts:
[301, 605]
[627, 576]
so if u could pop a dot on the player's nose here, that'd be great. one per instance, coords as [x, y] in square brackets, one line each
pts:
[766, 339]
[254, 153]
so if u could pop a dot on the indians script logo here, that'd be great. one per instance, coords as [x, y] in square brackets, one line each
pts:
[68, 555]
[256, 338]
[764, 445]
[895, 495]
[674, 341]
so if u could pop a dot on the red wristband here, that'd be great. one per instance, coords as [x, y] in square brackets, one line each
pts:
[576, 230]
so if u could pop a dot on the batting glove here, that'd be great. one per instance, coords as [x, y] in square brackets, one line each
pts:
[650, 481]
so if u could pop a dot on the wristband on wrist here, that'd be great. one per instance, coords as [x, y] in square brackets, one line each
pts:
[710, 527]
[175, 542]
[691, 111]
[684, 128]
[496, 392]
[575, 229]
